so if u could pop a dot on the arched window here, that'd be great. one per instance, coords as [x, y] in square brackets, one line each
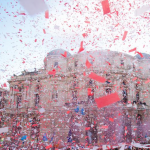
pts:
[19, 100]
[139, 127]
[137, 96]
[54, 95]
[108, 81]
[108, 91]
[76, 63]
[55, 64]
[37, 100]
[125, 95]
[74, 95]
[90, 82]
[122, 63]
[90, 95]
[124, 82]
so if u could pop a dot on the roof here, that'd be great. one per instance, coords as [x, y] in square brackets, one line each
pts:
[145, 56]
[58, 52]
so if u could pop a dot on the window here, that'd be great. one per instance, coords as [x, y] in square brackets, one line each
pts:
[90, 61]
[37, 88]
[124, 95]
[90, 82]
[124, 82]
[76, 63]
[69, 69]
[74, 95]
[139, 131]
[133, 66]
[55, 95]
[37, 99]
[122, 63]
[19, 99]
[2, 103]
[108, 91]
[56, 65]
[20, 89]
[90, 95]
[75, 84]
[107, 74]
[0, 93]
[137, 96]
[108, 81]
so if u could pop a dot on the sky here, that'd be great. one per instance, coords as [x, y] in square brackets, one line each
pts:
[23, 44]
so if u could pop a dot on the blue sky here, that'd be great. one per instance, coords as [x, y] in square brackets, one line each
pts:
[64, 29]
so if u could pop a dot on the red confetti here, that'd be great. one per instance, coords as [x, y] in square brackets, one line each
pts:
[105, 6]
[87, 128]
[90, 93]
[4, 85]
[104, 127]
[47, 14]
[49, 146]
[81, 47]
[108, 63]
[44, 31]
[87, 21]
[88, 64]
[65, 54]
[35, 40]
[124, 36]
[42, 41]
[23, 62]
[53, 72]
[134, 78]
[111, 119]
[22, 14]
[147, 81]
[84, 35]
[140, 54]
[94, 76]
[68, 112]
[107, 100]
[18, 124]
[134, 49]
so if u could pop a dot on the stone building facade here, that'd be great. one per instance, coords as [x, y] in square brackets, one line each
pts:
[67, 95]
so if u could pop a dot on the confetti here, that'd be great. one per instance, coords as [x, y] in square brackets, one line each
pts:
[94, 76]
[107, 100]
[81, 47]
[4, 85]
[142, 10]
[33, 7]
[88, 64]
[44, 31]
[47, 14]
[65, 54]
[105, 6]
[140, 54]
[124, 36]
[53, 72]
[132, 50]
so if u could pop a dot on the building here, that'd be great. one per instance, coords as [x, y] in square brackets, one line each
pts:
[58, 102]
[4, 97]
